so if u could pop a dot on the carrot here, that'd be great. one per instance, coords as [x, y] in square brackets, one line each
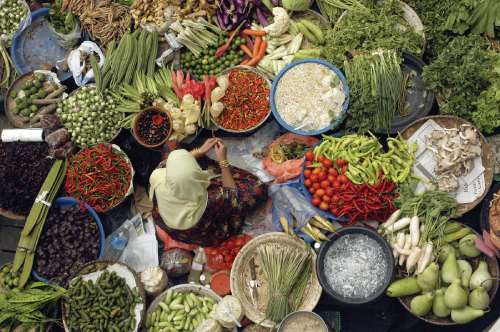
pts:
[254, 62]
[256, 46]
[262, 49]
[259, 56]
[244, 63]
[246, 50]
[249, 32]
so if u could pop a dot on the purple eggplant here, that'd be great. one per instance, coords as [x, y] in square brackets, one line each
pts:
[274, 2]
[224, 6]
[246, 25]
[220, 19]
[239, 5]
[260, 16]
[235, 18]
[225, 18]
[260, 5]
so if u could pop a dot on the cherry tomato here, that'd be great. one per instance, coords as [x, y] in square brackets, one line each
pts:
[309, 163]
[315, 201]
[329, 192]
[344, 179]
[309, 155]
[325, 184]
[321, 158]
[336, 184]
[229, 258]
[312, 190]
[323, 206]
[335, 199]
[313, 178]
[335, 211]
[333, 171]
[327, 163]
[236, 251]
[307, 173]
[307, 183]
[316, 170]
[326, 199]
[316, 185]
[322, 175]
[320, 192]
[232, 238]
[346, 167]
[239, 242]
[331, 178]
[340, 162]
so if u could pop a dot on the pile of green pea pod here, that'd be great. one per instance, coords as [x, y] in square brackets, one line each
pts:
[365, 158]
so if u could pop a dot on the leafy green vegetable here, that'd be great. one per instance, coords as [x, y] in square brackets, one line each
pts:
[487, 116]
[459, 74]
[459, 14]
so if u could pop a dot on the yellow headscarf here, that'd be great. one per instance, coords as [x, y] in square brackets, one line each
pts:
[181, 190]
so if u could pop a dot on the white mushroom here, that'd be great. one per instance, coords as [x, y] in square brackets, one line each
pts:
[469, 135]
[452, 132]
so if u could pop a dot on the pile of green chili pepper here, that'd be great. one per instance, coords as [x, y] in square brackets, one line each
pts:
[107, 305]
[366, 158]
[99, 176]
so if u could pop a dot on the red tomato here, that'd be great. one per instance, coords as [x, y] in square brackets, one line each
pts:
[309, 163]
[313, 178]
[229, 258]
[326, 199]
[316, 186]
[316, 170]
[329, 192]
[331, 178]
[325, 184]
[309, 155]
[335, 211]
[321, 158]
[336, 184]
[320, 192]
[335, 199]
[340, 162]
[307, 183]
[223, 244]
[315, 201]
[307, 173]
[235, 252]
[239, 242]
[333, 172]
[344, 179]
[232, 238]
[327, 163]
[346, 168]
[312, 190]
[322, 175]
[323, 206]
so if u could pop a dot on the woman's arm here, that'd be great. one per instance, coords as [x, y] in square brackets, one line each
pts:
[221, 153]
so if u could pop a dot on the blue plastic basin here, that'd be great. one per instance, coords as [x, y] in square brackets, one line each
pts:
[65, 202]
[275, 84]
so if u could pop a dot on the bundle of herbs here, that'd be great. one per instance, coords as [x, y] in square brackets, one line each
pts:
[459, 75]
[475, 16]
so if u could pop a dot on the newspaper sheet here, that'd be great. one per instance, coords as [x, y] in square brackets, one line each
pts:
[472, 185]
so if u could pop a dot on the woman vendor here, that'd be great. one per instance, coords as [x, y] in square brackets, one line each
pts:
[198, 200]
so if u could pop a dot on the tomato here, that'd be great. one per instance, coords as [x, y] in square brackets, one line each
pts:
[309, 163]
[309, 155]
[336, 184]
[327, 163]
[345, 169]
[223, 244]
[321, 158]
[312, 190]
[326, 199]
[320, 192]
[340, 162]
[239, 242]
[322, 175]
[323, 206]
[335, 211]
[313, 178]
[343, 179]
[329, 192]
[229, 258]
[232, 238]
[235, 252]
[331, 178]
[335, 199]
[316, 185]
[333, 172]
[307, 173]
[315, 201]
[316, 170]
[307, 183]
[325, 184]
[248, 238]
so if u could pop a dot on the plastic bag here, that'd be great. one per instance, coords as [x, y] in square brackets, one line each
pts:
[64, 151]
[50, 122]
[74, 62]
[222, 257]
[154, 280]
[229, 312]
[58, 138]
[291, 168]
[25, 22]
[69, 40]
[176, 262]
[209, 325]
[171, 243]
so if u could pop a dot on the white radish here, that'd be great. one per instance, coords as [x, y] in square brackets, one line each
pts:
[414, 230]
[400, 224]
[407, 246]
[389, 222]
[426, 257]
[400, 238]
[413, 258]
[422, 228]
[419, 263]
[402, 251]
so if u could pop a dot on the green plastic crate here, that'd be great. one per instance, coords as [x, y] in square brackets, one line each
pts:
[331, 318]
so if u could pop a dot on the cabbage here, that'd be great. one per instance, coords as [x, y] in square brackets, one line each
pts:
[296, 5]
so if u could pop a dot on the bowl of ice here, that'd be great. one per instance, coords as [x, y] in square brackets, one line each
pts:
[356, 267]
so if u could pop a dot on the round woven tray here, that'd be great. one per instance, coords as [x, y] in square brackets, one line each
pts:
[474, 262]
[269, 84]
[453, 122]
[309, 15]
[240, 275]
[108, 262]
[196, 289]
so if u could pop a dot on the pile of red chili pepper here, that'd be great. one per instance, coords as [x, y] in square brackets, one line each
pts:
[99, 176]
[365, 202]
[246, 101]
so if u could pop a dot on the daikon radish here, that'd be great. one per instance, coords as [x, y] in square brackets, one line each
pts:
[426, 257]
[400, 238]
[414, 230]
[402, 251]
[407, 246]
[389, 222]
[413, 258]
[424, 247]
[400, 224]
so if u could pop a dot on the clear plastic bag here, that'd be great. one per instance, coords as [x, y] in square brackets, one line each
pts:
[229, 312]
[64, 151]
[154, 280]
[210, 325]
[50, 122]
[176, 262]
[25, 22]
[69, 40]
[58, 138]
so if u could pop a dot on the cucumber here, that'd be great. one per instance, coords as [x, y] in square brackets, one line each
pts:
[314, 29]
[302, 28]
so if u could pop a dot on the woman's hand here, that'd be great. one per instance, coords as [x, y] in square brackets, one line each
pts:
[220, 150]
[208, 145]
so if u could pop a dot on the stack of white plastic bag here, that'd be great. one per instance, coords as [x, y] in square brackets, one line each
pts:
[77, 69]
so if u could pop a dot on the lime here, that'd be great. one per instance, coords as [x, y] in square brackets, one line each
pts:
[24, 86]
[24, 98]
[6, 269]
[25, 112]
[2, 274]
[232, 52]
[33, 90]
[15, 110]
[241, 53]
[18, 101]
[29, 101]
[29, 85]
[237, 42]
[23, 105]
[234, 47]
[38, 84]
[13, 94]
[7, 278]
[40, 77]
[34, 108]
[211, 52]
[35, 97]
[16, 282]
[10, 283]
[204, 62]
[42, 94]
[211, 60]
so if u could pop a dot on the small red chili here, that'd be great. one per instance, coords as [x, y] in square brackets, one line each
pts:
[157, 120]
